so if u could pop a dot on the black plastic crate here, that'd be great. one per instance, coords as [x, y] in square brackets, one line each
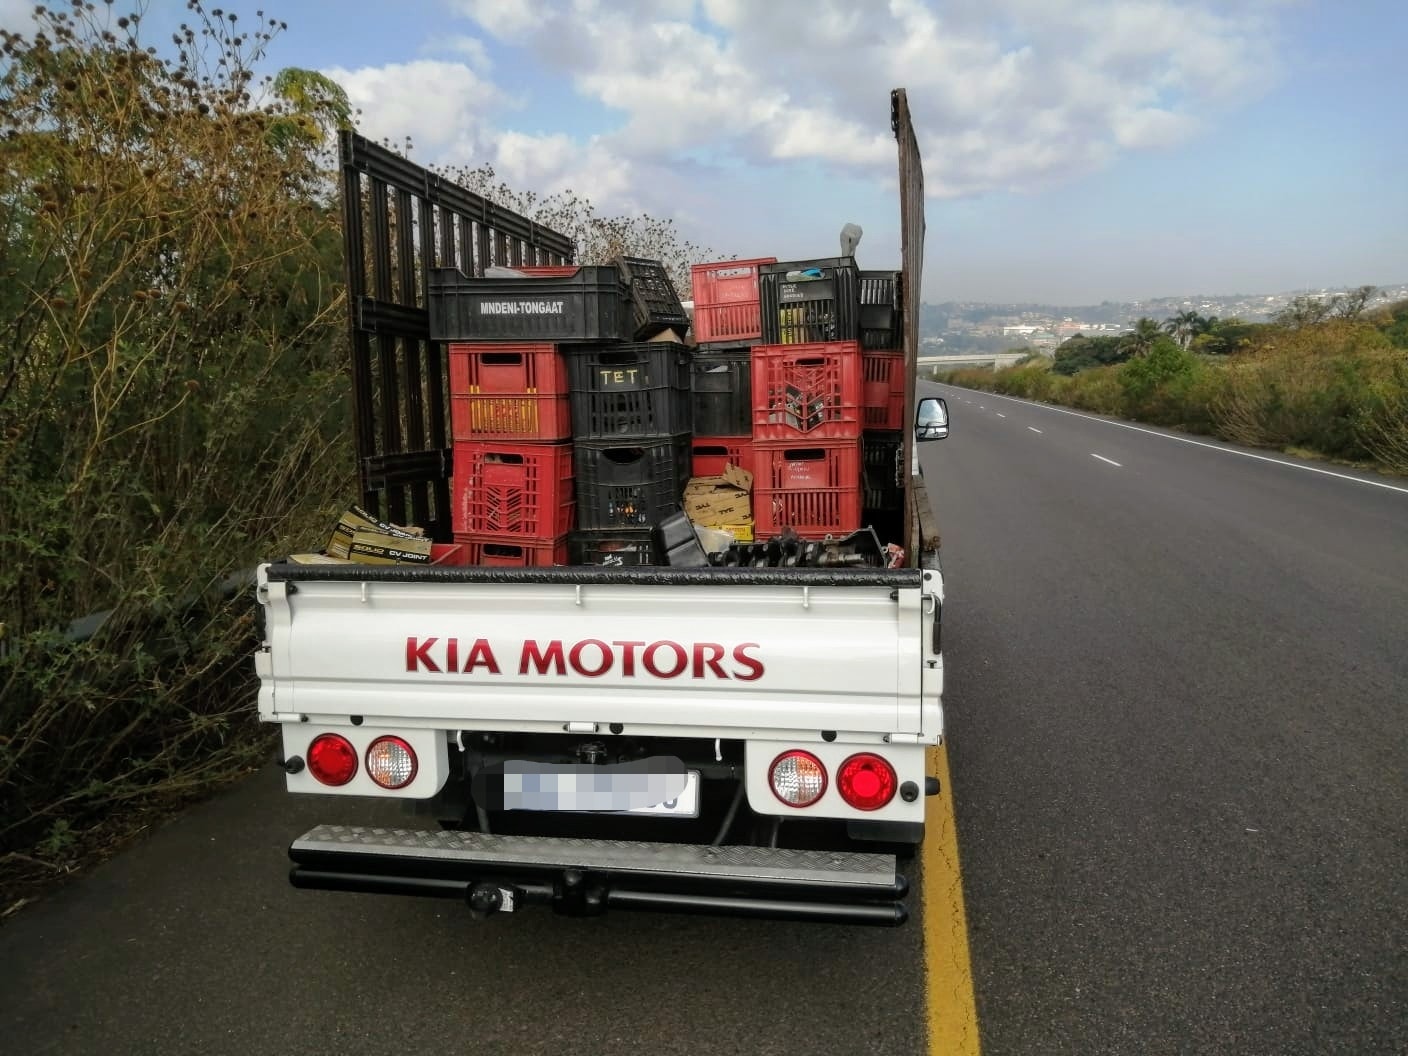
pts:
[639, 389]
[879, 310]
[881, 453]
[721, 386]
[806, 301]
[614, 548]
[629, 484]
[590, 305]
[654, 300]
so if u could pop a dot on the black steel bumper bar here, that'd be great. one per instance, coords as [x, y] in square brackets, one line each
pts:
[588, 877]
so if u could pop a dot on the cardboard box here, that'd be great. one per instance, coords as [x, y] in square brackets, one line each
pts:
[357, 519]
[717, 501]
[318, 559]
[370, 547]
[742, 533]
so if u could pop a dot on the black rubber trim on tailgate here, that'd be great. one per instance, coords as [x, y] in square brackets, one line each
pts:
[643, 576]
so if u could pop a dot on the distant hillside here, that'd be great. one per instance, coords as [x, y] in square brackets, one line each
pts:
[937, 318]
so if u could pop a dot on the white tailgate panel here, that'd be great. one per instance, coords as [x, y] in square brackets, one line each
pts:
[834, 658]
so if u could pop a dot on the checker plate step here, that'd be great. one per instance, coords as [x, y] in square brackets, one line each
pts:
[749, 864]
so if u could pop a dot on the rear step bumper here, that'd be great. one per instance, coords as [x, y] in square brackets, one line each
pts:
[585, 877]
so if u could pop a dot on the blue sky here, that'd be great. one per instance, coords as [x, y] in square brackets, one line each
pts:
[1075, 152]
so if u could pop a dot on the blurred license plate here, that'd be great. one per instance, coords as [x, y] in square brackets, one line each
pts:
[598, 790]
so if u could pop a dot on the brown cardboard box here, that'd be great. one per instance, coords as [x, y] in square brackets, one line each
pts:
[716, 501]
[357, 519]
[739, 478]
[377, 548]
[318, 559]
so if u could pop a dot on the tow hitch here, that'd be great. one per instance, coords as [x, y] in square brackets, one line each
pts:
[583, 878]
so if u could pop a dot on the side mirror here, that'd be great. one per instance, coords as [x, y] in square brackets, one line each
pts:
[931, 419]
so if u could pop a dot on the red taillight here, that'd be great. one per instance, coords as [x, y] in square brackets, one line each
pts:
[866, 782]
[332, 759]
[391, 762]
[797, 778]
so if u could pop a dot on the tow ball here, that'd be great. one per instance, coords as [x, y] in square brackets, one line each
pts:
[486, 899]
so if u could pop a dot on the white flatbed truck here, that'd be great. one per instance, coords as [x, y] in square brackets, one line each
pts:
[738, 741]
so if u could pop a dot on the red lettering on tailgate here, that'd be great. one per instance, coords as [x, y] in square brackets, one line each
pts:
[751, 663]
[681, 659]
[418, 653]
[708, 654]
[481, 654]
[540, 660]
[602, 667]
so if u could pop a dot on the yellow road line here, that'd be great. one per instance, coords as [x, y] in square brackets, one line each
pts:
[953, 1013]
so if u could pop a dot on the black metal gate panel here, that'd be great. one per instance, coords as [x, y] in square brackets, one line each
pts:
[400, 220]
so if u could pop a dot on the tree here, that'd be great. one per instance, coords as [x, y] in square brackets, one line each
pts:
[1082, 353]
[1141, 339]
[173, 406]
[1224, 337]
[1351, 305]
[1186, 325]
[1303, 310]
[316, 107]
[598, 238]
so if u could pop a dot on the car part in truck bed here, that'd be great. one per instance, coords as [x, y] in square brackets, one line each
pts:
[585, 877]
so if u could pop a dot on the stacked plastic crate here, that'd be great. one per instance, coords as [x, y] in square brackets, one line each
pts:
[882, 370]
[631, 424]
[808, 399]
[727, 324]
[511, 427]
[517, 339]
[510, 412]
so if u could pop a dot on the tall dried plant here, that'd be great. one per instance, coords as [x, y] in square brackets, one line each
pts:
[172, 403]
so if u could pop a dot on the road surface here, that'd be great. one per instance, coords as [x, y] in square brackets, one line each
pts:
[1177, 687]
[1177, 698]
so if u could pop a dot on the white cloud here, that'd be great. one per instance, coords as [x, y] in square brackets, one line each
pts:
[550, 163]
[1007, 94]
[473, 50]
[441, 106]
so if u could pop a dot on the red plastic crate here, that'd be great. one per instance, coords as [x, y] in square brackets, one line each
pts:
[807, 392]
[511, 551]
[812, 486]
[708, 454]
[447, 554]
[513, 489]
[726, 301]
[509, 392]
[883, 398]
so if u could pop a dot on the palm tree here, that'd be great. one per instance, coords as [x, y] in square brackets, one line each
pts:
[1141, 339]
[1185, 326]
[314, 107]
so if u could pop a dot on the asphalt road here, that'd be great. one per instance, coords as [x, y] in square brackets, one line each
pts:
[1177, 703]
[194, 942]
[1177, 735]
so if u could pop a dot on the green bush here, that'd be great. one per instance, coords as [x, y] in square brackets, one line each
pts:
[1337, 388]
[173, 408]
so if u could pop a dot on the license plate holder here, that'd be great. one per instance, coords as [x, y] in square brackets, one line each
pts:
[596, 790]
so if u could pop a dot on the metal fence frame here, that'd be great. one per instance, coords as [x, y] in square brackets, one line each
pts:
[399, 221]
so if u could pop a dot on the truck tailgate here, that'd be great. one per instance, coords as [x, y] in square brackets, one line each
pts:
[539, 649]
